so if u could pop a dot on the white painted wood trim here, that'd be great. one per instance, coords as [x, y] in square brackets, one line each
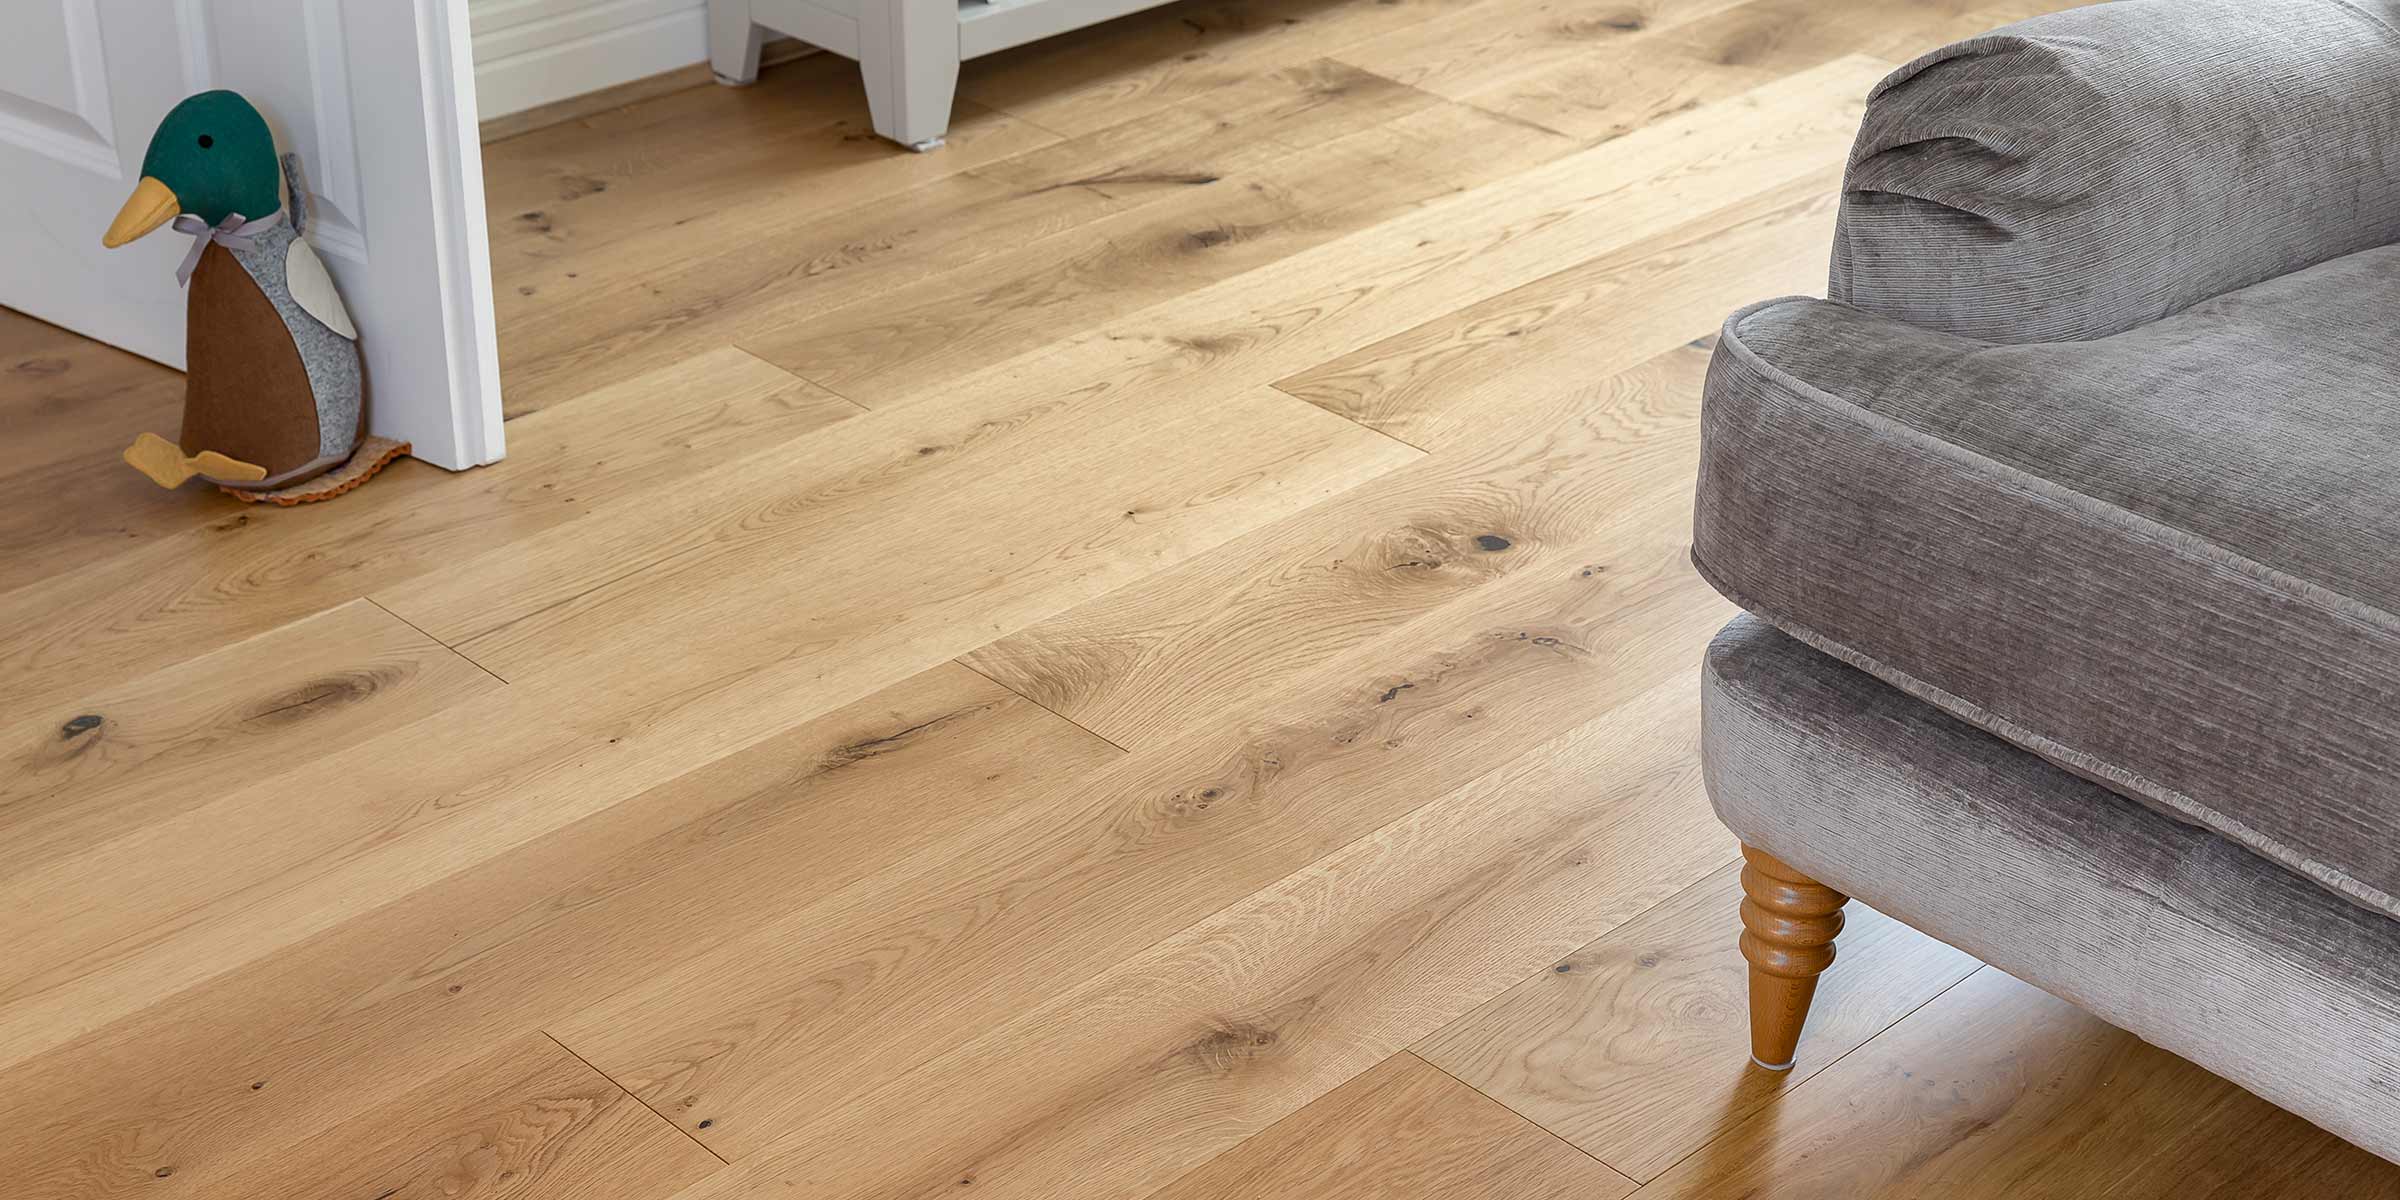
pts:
[984, 28]
[813, 23]
[462, 252]
[531, 54]
[908, 51]
[908, 58]
[509, 27]
[734, 42]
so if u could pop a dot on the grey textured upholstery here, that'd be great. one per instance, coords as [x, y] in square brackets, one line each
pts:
[2181, 937]
[2162, 559]
[2092, 170]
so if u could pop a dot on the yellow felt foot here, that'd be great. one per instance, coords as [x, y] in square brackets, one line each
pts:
[167, 465]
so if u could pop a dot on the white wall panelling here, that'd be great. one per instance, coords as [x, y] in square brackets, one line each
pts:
[54, 98]
[532, 52]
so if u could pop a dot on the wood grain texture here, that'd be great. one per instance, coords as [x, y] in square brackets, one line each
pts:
[904, 343]
[66, 394]
[527, 1122]
[744, 269]
[627, 194]
[1297, 392]
[400, 992]
[1477, 49]
[248, 570]
[1123, 1082]
[1707, 52]
[804, 1014]
[1635, 1047]
[657, 698]
[1127, 488]
[1401, 1128]
[144, 751]
[1430, 385]
[1163, 59]
[1997, 1090]
[69, 407]
[1316, 302]
[1555, 463]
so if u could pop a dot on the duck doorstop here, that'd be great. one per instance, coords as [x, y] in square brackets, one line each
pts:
[274, 391]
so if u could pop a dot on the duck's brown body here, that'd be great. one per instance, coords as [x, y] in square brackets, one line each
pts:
[246, 393]
[275, 388]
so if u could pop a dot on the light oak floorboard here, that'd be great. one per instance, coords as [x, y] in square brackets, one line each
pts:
[1128, 488]
[1431, 385]
[396, 994]
[1714, 51]
[1998, 1090]
[69, 406]
[729, 656]
[1325, 299]
[1175, 55]
[258, 566]
[141, 752]
[1120, 1084]
[762, 265]
[805, 1014]
[603, 203]
[65, 395]
[1401, 1128]
[1556, 463]
[527, 1122]
[1478, 48]
[914, 340]
[1636, 1048]
[1297, 392]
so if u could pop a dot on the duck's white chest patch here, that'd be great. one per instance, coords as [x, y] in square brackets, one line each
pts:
[312, 289]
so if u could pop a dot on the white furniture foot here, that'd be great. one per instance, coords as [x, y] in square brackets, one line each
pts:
[733, 42]
[907, 51]
[908, 56]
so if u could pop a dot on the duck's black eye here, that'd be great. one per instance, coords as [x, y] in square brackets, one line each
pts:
[207, 141]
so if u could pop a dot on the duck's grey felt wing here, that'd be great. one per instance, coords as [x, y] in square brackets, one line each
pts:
[312, 289]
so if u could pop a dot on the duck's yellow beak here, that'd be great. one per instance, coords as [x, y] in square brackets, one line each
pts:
[150, 206]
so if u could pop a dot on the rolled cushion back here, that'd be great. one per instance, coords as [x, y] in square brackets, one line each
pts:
[2092, 170]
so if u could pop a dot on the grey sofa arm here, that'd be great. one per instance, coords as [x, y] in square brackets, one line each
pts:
[2092, 170]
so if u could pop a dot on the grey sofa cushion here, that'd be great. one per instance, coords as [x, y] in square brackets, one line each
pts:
[2172, 933]
[2091, 170]
[2163, 559]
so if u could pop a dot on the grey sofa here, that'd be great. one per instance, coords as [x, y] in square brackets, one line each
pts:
[2069, 533]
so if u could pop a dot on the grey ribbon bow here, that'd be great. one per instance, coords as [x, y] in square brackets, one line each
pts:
[233, 231]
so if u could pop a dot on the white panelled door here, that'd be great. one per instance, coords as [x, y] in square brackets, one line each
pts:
[377, 98]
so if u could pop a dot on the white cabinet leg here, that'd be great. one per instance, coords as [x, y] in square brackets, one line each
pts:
[733, 42]
[908, 54]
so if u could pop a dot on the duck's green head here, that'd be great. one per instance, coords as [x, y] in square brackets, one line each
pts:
[211, 156]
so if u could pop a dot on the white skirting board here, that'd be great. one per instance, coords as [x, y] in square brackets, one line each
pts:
[532, 52]
[908, 51]
[529, 53]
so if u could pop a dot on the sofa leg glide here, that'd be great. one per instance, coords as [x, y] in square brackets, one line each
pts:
[1788, 925]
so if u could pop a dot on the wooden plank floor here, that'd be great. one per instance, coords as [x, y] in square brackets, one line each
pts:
[1147, 653]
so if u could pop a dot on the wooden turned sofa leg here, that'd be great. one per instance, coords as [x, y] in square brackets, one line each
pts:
[1788, 926]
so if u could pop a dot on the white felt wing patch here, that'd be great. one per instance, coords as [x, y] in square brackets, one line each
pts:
[313, 290]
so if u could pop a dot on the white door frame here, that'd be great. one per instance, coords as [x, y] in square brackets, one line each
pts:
[463, 251]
